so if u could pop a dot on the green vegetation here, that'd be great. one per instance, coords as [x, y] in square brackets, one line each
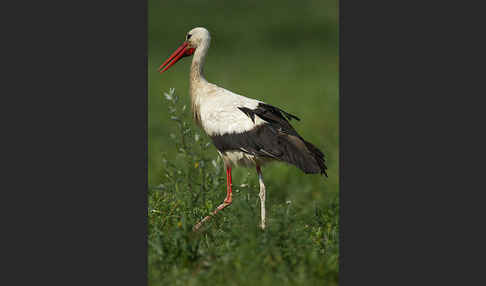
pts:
[300, 245]
[285, 54]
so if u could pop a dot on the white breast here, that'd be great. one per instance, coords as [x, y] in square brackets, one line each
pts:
[220, 114]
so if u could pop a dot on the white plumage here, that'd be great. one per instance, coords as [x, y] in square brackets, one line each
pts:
[220, 113]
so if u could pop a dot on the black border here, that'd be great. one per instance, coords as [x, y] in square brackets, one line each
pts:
[408, 126]
[80, 141]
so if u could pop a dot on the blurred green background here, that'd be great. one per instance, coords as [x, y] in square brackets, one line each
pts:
[282, 52]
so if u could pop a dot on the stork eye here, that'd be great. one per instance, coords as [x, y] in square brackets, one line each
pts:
[189, 36]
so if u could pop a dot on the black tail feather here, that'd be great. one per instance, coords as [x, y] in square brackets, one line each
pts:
[304, 155]
[318, 156]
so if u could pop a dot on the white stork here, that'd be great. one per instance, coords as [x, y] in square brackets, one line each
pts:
[245, 131]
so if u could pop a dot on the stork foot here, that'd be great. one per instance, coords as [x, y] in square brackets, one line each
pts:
[199, 224]
[220, 207]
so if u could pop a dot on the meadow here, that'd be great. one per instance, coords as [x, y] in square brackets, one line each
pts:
[285, 54]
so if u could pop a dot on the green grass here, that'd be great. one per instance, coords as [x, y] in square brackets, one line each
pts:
[285, 54]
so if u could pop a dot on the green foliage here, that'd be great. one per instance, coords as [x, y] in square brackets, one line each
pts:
[299, 247]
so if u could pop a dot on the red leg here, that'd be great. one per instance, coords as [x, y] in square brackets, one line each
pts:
[227, 201]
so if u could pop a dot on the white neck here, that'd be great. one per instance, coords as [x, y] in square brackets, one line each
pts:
[196, 76]
[198, 60]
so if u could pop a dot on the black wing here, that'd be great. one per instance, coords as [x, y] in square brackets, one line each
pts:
[276, 139]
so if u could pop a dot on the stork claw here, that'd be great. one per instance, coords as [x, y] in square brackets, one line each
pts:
[220, 207]
[199, 224]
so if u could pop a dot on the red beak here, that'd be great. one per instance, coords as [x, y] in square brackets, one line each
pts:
[182, 51]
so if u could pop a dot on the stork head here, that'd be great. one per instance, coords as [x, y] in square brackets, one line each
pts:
[195, 38]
